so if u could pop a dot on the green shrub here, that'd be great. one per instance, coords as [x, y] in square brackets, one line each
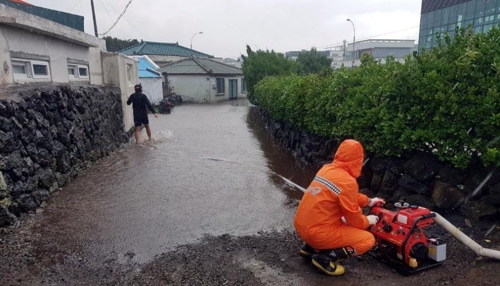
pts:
[445, 101]
[257, 65]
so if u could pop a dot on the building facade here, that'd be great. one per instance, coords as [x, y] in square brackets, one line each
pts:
[444, 16]
[69, 20]
[350, 55]
[38, 51]
[294, 55]
[203, 80]
[35, 49]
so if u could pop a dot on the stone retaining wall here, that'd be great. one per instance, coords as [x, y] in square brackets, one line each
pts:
[49, 135]
[416, 177]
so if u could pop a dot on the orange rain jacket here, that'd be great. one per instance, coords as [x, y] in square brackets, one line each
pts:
[333, 194]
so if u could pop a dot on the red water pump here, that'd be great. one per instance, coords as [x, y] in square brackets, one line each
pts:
[401, 241]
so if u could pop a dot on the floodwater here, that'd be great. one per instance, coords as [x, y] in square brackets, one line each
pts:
[213, 170]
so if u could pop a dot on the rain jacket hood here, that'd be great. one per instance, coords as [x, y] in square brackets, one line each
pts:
[349, 157]
[333, 194]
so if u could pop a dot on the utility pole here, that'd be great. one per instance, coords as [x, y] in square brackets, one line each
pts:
[93, 15]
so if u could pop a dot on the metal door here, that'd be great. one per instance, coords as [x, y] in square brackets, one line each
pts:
[233, 89]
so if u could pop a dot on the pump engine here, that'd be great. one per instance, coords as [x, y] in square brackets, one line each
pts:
[401, 241]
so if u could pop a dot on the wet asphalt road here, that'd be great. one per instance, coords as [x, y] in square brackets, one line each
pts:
[213, 170]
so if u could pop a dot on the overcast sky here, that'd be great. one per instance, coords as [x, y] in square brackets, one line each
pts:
[229, 25]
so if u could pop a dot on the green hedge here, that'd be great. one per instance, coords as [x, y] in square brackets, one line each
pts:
[444, 101]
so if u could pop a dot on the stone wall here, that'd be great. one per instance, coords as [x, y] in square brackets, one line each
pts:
[416, 177]
[49, 135]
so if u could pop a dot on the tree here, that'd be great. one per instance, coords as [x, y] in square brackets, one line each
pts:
[115, 44]
[260, 64]
[313, 62]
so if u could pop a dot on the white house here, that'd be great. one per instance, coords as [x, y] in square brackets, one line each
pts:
[204, 80]
[44, 46]
[40, 50]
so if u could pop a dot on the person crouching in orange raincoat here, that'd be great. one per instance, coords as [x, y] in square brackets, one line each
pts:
[329, 218]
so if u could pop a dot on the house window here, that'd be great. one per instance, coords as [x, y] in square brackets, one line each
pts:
[78, 72]
[26, 70]
[72, 72]
[83, 71]
[220, 85]
[243, 85]
[40, 69]
[21, 70]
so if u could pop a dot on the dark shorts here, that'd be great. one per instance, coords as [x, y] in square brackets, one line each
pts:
[140, 120]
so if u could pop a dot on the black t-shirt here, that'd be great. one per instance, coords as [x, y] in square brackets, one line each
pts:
[139, 103]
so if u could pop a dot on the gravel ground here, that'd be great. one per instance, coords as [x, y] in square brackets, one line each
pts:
[270, 258]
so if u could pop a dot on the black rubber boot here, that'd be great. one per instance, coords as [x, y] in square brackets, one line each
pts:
[325, 261]
[307, 251]
[326, 265]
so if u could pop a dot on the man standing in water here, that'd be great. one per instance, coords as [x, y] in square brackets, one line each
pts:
[139, 103]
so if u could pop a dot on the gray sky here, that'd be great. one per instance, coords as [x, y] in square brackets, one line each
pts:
[228, 25]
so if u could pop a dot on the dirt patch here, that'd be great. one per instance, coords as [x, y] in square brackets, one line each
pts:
[269, 258]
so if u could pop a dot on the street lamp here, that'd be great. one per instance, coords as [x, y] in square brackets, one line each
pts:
[353, 41]
[193, 37]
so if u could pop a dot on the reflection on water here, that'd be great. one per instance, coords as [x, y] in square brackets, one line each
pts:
[279, 160]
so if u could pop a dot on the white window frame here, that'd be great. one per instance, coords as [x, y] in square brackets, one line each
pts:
[40, 63]
[86, 77]
[30, 70]
[21, 76]
[75, 69]
[77, 75]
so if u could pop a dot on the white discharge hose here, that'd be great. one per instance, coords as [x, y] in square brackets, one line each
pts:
[478, 249]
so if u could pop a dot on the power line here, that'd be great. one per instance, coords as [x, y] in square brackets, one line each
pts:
[79, 9]
[78, 2]
[105, 9]
[391, 32]
[370, 37]
[146, 36]
[119, 17]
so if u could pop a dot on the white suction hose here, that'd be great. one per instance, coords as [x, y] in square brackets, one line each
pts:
[478, 249]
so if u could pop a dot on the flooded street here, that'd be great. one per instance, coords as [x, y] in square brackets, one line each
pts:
[213, 170]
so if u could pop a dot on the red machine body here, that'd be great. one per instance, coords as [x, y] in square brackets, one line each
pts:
[400, 237]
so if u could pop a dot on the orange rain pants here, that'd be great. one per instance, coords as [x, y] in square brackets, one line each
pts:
[333, 194]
